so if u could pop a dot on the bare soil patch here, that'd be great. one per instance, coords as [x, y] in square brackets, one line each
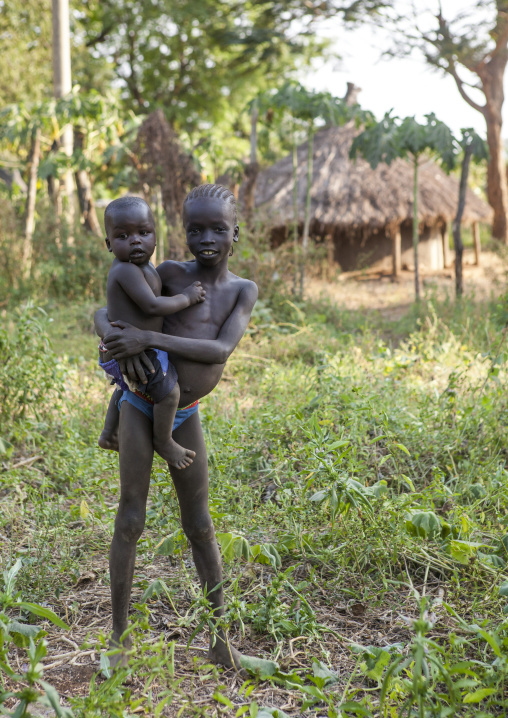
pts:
[378, 290]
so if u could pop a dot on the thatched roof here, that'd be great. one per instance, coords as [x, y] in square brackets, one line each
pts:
[348, 194]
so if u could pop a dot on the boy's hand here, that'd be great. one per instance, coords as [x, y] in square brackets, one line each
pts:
[133, 368]
[195, 293]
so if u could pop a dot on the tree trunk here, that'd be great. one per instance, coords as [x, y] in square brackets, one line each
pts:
[477, 244]
[62, 86]
[306, 219]
[457, 239]
[252, 169]
[86, 203]
[497, 189]
[295, 210]
[85, 197]
[35, 155]
[415, 227]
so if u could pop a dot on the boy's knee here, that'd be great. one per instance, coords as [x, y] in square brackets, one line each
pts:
[200, 531]
[130, 524]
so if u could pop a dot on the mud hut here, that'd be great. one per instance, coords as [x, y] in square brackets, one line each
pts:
[365, 215]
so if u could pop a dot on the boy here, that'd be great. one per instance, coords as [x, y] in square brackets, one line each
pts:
[199, 342]
[134, 296]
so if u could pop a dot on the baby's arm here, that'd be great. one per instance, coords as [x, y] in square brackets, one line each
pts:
[132, 280]
[129, 340]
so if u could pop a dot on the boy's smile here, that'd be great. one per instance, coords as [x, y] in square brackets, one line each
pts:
[210, 228]
[131, 234]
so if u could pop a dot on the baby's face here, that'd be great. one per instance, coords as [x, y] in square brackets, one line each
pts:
[131, 234]
[210, 228]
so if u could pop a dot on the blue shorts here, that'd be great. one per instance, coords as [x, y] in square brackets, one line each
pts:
[147, 408]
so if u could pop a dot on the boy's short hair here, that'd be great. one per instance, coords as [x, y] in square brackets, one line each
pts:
[128, 200]
[217, 191]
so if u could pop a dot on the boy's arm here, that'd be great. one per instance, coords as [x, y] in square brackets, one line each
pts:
[130, 341]
[132, 280]
[135, 366]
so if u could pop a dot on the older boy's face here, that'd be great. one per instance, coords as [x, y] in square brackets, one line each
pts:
[210, 228]
[131, 234]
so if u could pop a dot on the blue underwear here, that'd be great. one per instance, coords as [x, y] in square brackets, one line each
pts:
[147, 408]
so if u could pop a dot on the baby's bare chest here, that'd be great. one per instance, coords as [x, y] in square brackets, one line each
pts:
[153, 279]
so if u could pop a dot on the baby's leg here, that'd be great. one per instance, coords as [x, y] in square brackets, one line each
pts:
[163, 419]
[109, 436]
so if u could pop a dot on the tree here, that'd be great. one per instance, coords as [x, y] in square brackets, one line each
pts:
[25, 32]
[304, 108]
[30, 132]
[62, 86]
[473, 49]
[202, 62]
[390, 138]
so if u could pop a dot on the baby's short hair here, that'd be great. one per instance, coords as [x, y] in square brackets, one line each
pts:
[128, 200]
[217, 191]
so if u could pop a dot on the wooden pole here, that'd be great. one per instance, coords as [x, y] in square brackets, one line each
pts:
[330, 255]
[415, 227]
[447, 261]
[397, 252]
[477, 243]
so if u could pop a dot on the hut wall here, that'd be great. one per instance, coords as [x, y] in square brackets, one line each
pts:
[363, 248]
[430, 247]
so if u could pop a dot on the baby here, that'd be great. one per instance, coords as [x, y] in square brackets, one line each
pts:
[134, 296]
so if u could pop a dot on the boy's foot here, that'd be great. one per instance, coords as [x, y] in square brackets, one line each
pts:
[225, 655]
[175, 454]
[108, 441]
[120, 659]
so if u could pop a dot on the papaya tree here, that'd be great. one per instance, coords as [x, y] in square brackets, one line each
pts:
[30, 132]
[391, 138]
[306, 111]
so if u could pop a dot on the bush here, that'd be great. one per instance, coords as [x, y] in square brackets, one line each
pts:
[31, 380]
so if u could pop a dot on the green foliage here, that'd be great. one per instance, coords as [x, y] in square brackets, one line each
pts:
[27, 682]
[400, 445]
[391, 138]
[31, 381]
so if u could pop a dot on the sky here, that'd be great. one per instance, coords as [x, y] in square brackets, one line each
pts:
[407, 85]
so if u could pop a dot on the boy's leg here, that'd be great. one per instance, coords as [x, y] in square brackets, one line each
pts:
[136, 455]
[191, 486]
[109, 436]
[163, 419]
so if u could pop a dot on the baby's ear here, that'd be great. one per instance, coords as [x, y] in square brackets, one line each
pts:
[236, 233]
[108, 245]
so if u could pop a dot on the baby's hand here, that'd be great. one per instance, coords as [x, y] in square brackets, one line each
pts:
[195, 293]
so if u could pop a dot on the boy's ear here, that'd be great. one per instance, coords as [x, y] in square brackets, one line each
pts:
[108, 244]
[236, 233]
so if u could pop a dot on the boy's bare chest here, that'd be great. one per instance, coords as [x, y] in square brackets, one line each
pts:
[203, 320]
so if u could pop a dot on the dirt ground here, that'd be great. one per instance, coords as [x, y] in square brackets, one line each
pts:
[371, 289]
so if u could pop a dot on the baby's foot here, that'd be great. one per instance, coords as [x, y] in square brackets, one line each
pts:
[108, 441]
[175, 454]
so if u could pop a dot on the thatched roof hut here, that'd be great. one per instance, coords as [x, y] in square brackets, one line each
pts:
[366, 212]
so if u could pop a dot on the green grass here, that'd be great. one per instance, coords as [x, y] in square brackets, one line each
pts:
[359, 493]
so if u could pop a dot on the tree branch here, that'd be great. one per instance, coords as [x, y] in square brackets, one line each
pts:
[101, 37]
[451, 70]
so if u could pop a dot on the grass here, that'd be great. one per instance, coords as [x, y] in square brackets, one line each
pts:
[359, 493]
